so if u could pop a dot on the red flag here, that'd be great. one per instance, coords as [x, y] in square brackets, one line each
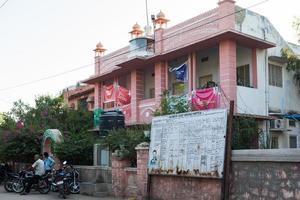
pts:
[205, 99]
[123, 97]
[109, 93]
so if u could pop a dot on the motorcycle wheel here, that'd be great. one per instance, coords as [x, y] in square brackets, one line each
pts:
[8, 186]
[74, 187]
[18, 186]
[43, 187]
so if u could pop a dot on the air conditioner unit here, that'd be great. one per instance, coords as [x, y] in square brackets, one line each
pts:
[277, 124]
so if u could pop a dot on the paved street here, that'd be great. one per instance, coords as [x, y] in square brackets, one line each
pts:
[37, 196]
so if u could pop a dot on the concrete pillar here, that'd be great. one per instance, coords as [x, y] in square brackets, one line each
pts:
[226, 12]
[160, 81]
[227, 54]
[254, 68]
[142, 171]
[158, 36]
[190, 73]
[119, 178]
[98, 96]
[194, 67]
[137, 93]
[97, 64]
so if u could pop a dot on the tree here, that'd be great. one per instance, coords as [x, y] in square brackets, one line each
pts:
[293, 61]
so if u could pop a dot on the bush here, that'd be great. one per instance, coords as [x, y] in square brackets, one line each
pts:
[77, 149]
[124, 141]
[245, 133]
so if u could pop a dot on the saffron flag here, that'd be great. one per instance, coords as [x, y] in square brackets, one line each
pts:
[205, 99]
[109, 93]
[123, 96]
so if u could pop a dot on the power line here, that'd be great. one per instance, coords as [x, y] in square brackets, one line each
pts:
[3, 4]
[45, 78]
[117, 55]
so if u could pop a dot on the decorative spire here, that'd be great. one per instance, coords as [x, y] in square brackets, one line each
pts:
[161, 19]
[99, 51]
[136, 31]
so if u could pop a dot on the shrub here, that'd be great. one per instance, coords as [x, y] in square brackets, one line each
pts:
[124, 141]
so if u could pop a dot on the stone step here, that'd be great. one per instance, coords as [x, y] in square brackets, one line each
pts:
[89, 188]
[101, 194]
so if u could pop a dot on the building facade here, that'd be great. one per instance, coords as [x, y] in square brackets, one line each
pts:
[235, 48]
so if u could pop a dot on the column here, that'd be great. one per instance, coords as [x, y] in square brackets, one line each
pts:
[194, 66]
[98, 96]
[142, 151]
[137, 93]
[254, 68]
[190, 73]
[226, 12]
[160, 81]
[227, 56]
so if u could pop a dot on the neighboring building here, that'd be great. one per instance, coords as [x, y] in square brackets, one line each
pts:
[235, 48]
[80, 96]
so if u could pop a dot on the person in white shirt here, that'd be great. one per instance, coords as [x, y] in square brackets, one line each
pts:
[39, 170]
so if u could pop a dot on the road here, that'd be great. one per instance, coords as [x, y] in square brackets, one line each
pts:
[52, 195]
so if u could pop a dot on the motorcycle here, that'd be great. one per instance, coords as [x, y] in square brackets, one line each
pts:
[61, 181]
[9, 180]
[42, 184]
[73, 181]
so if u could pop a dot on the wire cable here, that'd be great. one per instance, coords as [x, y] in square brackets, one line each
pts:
[117, 55]
[3, 4]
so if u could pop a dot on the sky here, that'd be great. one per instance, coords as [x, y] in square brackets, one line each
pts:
[42, 38]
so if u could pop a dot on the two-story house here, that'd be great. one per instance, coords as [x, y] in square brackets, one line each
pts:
[231, 46]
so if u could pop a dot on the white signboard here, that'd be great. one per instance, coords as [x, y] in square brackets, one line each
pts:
[189, 144]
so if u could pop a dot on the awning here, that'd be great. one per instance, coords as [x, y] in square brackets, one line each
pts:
[293, 116]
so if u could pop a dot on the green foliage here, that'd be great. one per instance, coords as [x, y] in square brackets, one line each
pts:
[124, 141]
[7, 122]
[21, 148]
[245, 133]
[172, 104]
[77, 149]
[296, 26]
[48, 113]
[293, 64]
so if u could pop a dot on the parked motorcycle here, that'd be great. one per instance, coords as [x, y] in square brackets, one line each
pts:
[42, 184]
[73, 180]
[60, 182]
[9, 180]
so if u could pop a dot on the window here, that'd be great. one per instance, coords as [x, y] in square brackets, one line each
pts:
[243, 75]
[292, 123]
[293, 141]
[275, 75]
[203, 81]
[274, 142]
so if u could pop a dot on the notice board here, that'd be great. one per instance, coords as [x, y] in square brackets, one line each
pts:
[189, 144]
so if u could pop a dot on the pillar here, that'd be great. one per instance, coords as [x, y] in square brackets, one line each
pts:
[160, 81]
[226, 12]
[254, 68]
[137, 93]
[98, 96]
[142, 171]
[190, 73]
[97, 64]
[119, 177]
[194, 67]
[158, 37]
[227, 57]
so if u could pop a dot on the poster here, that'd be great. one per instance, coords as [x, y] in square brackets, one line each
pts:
[189, 144]
[123, 96]
[109, 93]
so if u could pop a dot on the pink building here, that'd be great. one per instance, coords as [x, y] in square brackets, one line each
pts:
[212, 45]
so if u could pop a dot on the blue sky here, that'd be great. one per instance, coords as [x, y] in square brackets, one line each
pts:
[42, 38]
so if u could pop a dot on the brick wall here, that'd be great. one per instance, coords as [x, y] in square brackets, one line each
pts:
[178, 188]
[265, 174]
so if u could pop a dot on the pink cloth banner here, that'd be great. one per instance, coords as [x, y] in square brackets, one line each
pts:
[123, 96]
[205, 99]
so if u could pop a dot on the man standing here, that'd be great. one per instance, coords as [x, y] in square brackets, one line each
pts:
[48, 162]
[39, 170]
